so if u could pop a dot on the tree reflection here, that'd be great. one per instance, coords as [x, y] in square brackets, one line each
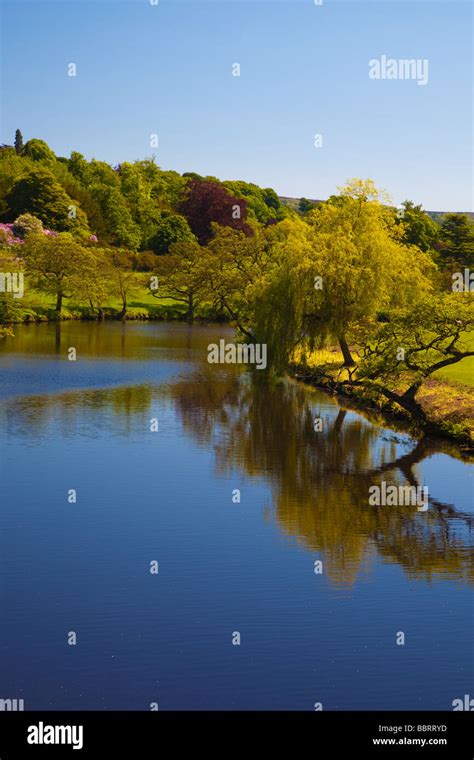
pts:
[320, 480]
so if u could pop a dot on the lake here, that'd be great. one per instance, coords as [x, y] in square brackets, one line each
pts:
[210, 507]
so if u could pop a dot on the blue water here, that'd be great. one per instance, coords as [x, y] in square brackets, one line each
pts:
[224, 567]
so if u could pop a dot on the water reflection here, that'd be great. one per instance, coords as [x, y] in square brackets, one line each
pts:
[117, 340]
[319, 480]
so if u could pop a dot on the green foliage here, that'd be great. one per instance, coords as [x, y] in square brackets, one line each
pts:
[194, 175]
[363, 265]
[38, 150]
[39, 194]
[278, 317]
[418, 227]
[10, 309]
[77, 165]
[58, 265]
[263, 205]
[172, 228]
[417, 341]
[457, 240]
[305, 205]
[234, 267]
[12, 167]
[182, 276]
[146, 261]
[121, 229]
[124, 205]
[26, 224]
[271, 199]
[18, 142]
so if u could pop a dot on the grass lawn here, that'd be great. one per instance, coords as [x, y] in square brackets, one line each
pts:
[463, 371]
[140, 302]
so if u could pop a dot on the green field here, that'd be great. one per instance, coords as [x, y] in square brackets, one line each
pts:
[140, 303]
[463, 372]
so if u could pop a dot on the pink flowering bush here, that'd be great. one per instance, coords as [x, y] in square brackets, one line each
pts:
[8, 237]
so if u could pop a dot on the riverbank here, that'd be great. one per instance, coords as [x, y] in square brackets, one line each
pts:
[140, 304]
[447, 404]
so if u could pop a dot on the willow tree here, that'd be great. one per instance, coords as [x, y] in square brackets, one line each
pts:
[357, 264]
[278, 299]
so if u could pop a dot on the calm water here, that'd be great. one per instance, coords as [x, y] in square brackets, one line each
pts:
[224, 567]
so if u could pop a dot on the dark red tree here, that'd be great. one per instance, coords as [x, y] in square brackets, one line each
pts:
[207, 202]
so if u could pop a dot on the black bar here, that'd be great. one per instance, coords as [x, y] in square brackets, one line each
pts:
[155, 734]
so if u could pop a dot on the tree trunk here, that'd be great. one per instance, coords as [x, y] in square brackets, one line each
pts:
[407, 401]
[348, 360]
[124, 307]
[59, 303]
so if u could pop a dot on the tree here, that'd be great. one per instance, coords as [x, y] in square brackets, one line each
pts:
[12, 168]
[167, 188]
[146, 261]
[193, 175]
[57, 264]
[38, 150]
[136, 189]
[26, 224]
[415, 342]
[93, 282]
[38, 193]
[18, 142]
[262, 205]
[209, 202]
[77, 165]
[305, 205]
[236, 267]
[182, 276]
[356, 265]
[172, 228]
[457, 240]
[271, 198]
[121, 276]
[418, 227]
[119, 224]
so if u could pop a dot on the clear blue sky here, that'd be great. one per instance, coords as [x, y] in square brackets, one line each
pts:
[166, 69]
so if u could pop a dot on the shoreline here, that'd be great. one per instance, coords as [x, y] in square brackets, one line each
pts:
[459, 431]
[359, 399]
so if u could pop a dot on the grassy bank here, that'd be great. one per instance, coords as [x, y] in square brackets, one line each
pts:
[447, 399]
[37, 306]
